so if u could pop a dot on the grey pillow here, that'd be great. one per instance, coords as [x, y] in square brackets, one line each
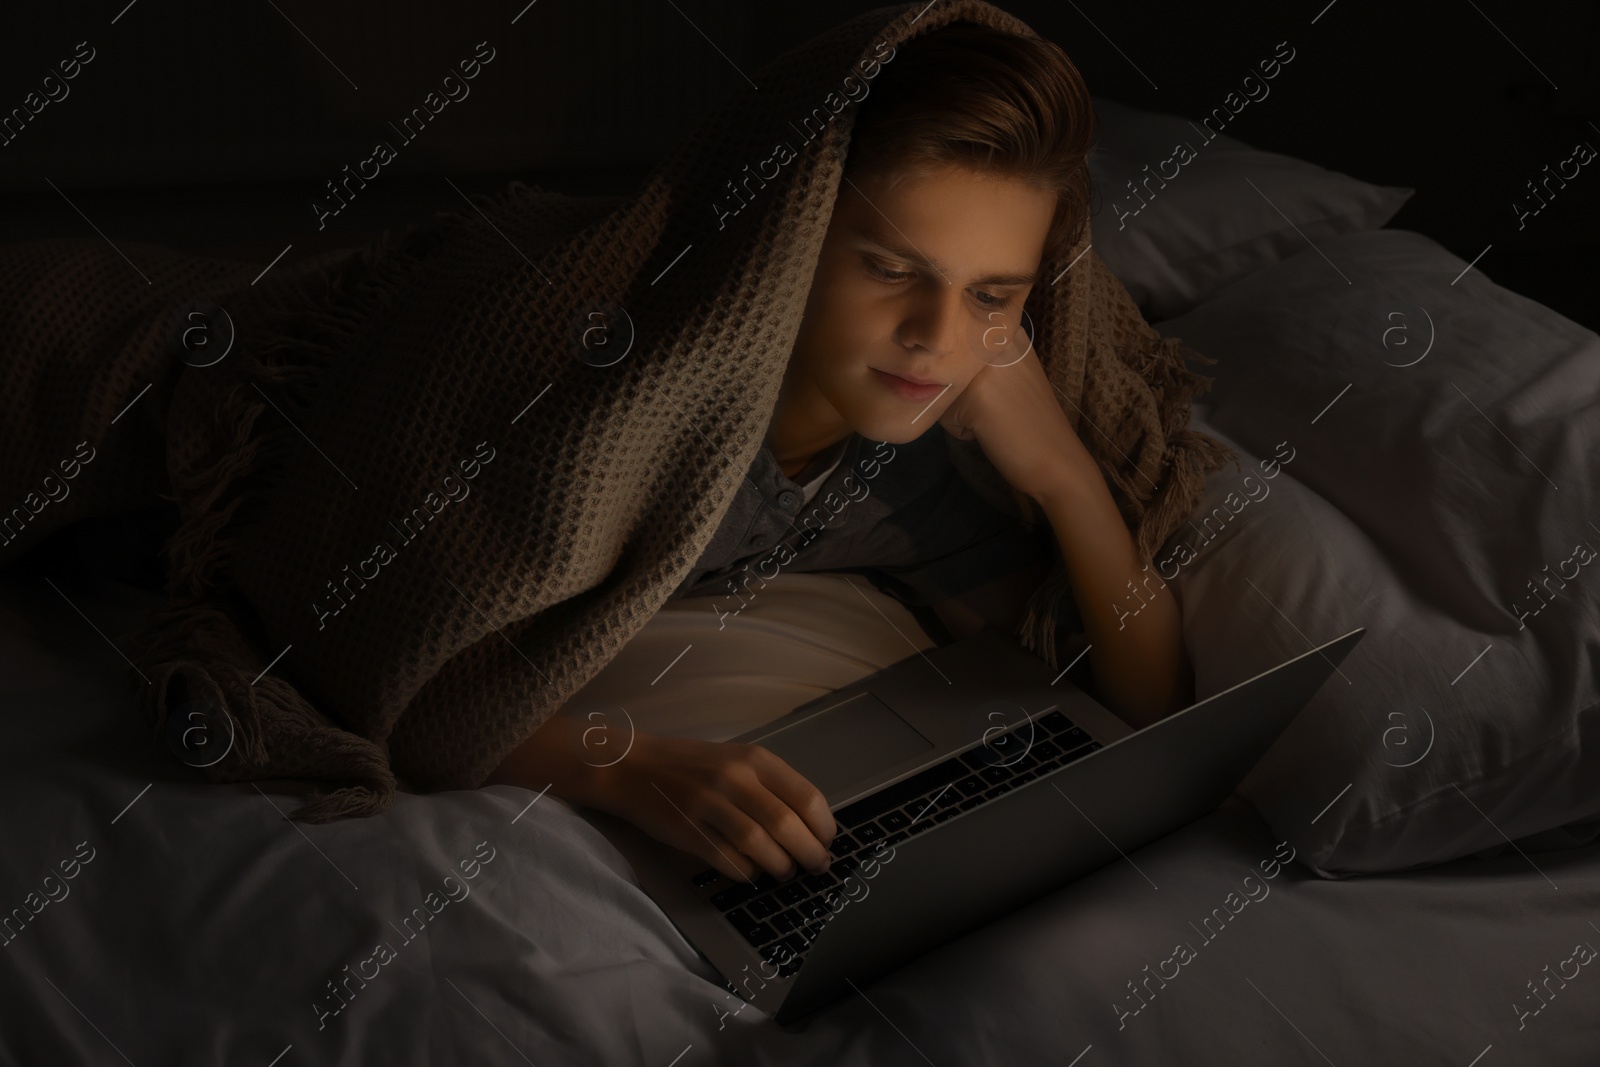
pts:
[1426, 422]
[1196, 226]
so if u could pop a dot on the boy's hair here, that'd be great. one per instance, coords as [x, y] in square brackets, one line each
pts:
[1000, 103]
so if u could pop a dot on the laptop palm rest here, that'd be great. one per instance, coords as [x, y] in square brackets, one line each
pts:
[850, 742]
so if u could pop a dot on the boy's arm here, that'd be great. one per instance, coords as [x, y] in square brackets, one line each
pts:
[1140, 670]
[1140, 667]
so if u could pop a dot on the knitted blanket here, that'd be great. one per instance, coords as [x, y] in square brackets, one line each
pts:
[433, 486]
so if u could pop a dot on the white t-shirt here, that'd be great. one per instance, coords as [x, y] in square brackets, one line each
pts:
[811, 488]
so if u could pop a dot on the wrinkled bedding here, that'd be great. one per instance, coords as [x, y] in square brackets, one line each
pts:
[199, 925]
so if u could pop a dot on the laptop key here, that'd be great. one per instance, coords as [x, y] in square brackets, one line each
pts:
[896, 838]
[972, 802]
[1003, 787]
[818, 882]
[995, 775]
[785, 920]
[843, 845]
[834, 900]
[787, 953]
[759, 934]
[918, 811]
[971, 786]
[868, 832]
[733, 896]
[895, 820]
[948, 813]
[706, 877]
[763, 907]
[791, 893]
[1005, 747]
[1070, 739]
[1055, 722]
[974, 758]
[776, 950]
[814, 910]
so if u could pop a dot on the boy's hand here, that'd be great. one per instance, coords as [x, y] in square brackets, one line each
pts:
[1013, 412]
[739, 807]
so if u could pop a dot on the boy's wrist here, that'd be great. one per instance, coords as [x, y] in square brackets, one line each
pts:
[556, 759]
[598, 770]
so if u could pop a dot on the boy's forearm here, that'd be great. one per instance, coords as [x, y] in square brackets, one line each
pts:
[1141, 669]
[553, 756]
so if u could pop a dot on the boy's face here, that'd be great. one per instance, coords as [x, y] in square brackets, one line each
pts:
[925, 281]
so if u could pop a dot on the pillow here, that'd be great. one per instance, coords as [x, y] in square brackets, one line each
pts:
[1196, 226]
[1402, 432]
[801, 636]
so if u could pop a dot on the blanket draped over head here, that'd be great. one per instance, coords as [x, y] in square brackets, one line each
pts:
[423, 501]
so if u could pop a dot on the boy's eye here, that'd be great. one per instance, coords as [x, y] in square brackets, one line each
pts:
[885, 273]
[988, 300]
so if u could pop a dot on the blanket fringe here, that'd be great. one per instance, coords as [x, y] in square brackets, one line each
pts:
[192, 645]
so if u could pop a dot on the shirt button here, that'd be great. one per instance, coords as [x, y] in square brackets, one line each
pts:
[758, 540]
[788, 498]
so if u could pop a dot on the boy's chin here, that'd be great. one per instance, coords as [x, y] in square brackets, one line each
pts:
[895, 427]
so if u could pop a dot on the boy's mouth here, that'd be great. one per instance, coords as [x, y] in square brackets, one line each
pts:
[908, 389]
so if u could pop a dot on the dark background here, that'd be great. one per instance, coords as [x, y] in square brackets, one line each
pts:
[212, 126]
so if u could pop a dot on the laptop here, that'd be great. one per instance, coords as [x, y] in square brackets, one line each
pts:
[966, 781]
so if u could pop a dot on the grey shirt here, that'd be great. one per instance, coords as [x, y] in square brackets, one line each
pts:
[902, 515]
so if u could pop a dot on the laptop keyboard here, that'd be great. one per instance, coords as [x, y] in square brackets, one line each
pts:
[781, 919]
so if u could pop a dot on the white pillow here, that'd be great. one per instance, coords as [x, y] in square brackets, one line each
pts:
[1201, 224]
[1424, 415]
[723, 673]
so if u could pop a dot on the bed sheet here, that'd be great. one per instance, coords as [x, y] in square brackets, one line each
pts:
[199, 925]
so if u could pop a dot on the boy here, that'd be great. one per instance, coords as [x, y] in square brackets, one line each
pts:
[967, 171]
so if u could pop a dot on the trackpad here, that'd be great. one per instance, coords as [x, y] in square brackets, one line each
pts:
[847, 743]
